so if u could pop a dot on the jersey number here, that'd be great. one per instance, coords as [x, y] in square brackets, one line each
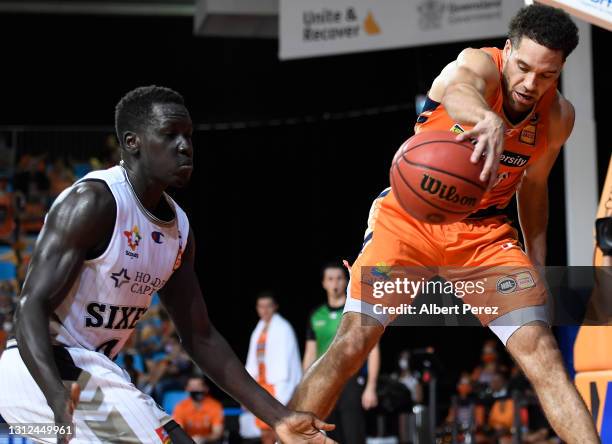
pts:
[107, 347]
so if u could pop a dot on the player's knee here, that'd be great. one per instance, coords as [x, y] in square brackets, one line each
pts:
[355, 338]
[535, 349]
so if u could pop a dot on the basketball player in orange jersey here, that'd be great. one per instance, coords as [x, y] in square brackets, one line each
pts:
[507, 100]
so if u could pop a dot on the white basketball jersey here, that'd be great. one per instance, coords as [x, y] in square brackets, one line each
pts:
[114, 290]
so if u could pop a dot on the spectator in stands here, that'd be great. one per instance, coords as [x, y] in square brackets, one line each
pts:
[32, 181]
[499, 413]
[273, 359]
[7, 212]
[60, 178]
[200, 415]
[489, 363]
[128, 365]
[407, 377]
[169, 370]
[463, 411]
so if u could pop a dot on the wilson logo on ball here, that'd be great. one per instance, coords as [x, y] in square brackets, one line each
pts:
[449, 193]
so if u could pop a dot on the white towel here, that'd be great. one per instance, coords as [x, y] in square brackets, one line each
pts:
[283, 364]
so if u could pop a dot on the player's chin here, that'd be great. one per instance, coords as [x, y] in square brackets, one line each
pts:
[181, 178]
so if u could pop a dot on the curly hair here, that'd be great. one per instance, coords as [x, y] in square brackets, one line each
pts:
[548, 26]
[133, 110]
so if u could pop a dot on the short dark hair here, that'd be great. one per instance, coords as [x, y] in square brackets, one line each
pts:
[266, 294]
[133, 110]
[333, 264]
[548, 26]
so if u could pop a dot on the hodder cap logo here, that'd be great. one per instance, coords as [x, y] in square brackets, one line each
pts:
[506, 285]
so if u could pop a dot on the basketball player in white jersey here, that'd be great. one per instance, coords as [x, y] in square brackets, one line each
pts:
[109, 242]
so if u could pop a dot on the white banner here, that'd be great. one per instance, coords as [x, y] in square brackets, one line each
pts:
[324, 27]
[598, 12]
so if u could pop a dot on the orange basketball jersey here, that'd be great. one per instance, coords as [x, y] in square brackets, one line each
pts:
[524, 141]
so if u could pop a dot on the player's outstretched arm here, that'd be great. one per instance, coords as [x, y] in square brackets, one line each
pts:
[80, 222]
[183, 299]
[464, 87]
[532, 196]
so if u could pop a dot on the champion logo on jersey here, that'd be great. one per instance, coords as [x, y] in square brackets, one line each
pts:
[157, 237]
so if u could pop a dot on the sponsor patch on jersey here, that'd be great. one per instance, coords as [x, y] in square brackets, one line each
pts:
[120, 278]
[133, 239]
[164, 438]
[517, 160]
[157, 237]
[528, 134]
[515, 282]
[179, 254]
[382, 270]
[457, 129]
[524, 280]
[506, 285]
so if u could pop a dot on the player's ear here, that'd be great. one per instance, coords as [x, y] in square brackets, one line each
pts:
[131, 142]
[507, 49]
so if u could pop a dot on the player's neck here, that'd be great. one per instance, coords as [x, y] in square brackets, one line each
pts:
[336, 301]
[514, 117]
[147, 191]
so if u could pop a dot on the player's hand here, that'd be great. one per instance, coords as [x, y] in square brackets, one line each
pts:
[489, 135]
[369, 398]
[303, 428]
[63, 417]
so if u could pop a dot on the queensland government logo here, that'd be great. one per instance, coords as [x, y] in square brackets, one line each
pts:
[430, 14]
[133, 239]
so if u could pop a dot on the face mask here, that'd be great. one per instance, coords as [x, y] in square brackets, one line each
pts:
[7, 326]
[197, 396]
[489, 357]
[403, 364]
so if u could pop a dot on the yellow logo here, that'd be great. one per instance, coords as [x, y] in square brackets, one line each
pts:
[370, 26]
[528, 135]
[457, 129]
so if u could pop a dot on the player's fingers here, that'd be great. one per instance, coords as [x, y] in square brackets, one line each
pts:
[75, 393]
[467, 135]
[321, 425]
[493, 175]
[478, 150]
[486, 170]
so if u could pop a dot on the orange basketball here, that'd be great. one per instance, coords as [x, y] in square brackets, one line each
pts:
[433, 179]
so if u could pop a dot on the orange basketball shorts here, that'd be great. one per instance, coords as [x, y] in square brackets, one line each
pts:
[482, 250]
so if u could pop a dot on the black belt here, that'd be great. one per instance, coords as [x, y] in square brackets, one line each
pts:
[487, 212]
